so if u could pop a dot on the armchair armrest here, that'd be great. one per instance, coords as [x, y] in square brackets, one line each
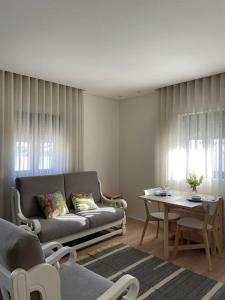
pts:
[42, 278]
[18, 216]
[26, 227]
[126, 284]
[55, 258]
[51, 246]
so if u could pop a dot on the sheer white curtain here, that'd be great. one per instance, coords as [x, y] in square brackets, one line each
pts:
[41, 129]
[192, 134]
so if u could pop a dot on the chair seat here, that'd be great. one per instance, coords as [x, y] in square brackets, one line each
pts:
[193, 223]
[80, 283]
[161, 216]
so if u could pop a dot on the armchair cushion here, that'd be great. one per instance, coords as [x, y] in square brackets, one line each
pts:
[80, 283]
[59, 227]
[82, 182]
[102, 216]
[29, 187]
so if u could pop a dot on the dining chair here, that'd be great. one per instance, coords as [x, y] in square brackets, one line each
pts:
[209, 224]
[157, 216]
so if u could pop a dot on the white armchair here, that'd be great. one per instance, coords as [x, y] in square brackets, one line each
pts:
[25, 274]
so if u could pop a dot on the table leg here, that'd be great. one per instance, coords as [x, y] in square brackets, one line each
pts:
[166, 240]
[146, 222]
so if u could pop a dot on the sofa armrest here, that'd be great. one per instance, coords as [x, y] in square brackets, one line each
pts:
[34, 224]
[55, 258]
[128, 286]
[115, 202]
[18, 216]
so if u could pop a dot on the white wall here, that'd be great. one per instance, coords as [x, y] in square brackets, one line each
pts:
[101, 139]
[119, 143]
[138, 128]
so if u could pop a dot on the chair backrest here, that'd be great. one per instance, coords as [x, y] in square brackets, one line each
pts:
[18, 247]
[30, 187]
[148, 192]
[82, 182]
[211, 209]
[152, 191]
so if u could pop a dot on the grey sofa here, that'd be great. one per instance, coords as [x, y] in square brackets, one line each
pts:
[26, 274]
[109, 217]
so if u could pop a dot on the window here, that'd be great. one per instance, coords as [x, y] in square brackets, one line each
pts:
[46, 150]
[201, 140]
[36, 143]
[22, 160]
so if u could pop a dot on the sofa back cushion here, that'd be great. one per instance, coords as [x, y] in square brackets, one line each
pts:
[30, 187]
[82, 182]
[18, 247]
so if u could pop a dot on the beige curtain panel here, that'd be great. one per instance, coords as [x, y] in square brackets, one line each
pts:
[41, 130]
[192, 134]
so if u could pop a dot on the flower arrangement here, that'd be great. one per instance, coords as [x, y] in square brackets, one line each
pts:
[194, 181]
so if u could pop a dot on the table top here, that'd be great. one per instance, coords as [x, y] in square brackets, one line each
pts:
[177, 198]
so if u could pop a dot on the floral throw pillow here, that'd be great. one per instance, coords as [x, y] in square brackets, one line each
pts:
[82, 202]
[52, 205]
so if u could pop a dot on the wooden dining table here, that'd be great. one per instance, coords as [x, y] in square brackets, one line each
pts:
[177, 199]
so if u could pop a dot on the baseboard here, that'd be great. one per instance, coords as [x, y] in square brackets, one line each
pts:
[135, 218]
[143, 220]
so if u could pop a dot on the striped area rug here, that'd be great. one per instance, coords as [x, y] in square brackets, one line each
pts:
[158, 279]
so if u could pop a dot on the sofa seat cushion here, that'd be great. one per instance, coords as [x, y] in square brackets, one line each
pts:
[79, 283]
[102, 216]
[62, 226]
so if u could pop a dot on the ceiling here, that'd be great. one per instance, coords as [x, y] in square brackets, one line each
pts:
[116, 48]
